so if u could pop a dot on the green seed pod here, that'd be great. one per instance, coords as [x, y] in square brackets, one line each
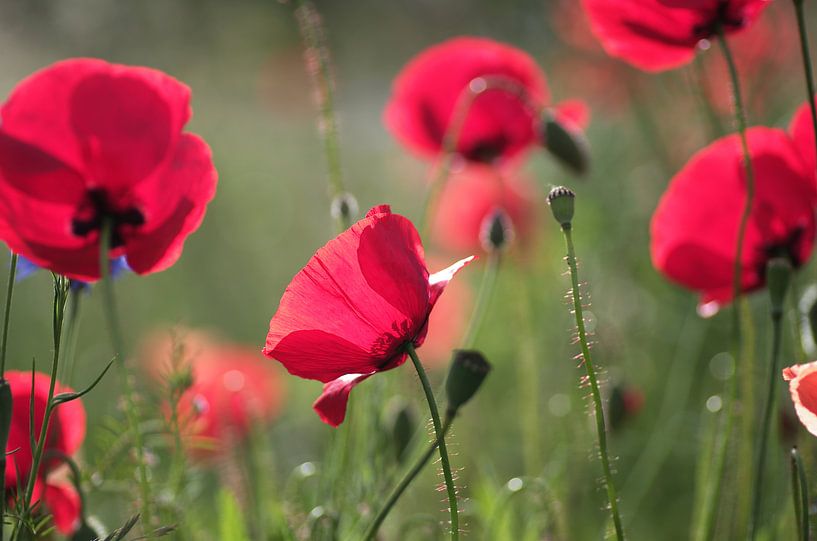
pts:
[468, 370]
[568, 146]
[400, 423]
[561, 204]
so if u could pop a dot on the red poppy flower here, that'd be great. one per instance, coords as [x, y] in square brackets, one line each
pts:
[499, 123]
[348, 314]
[802, 131]
[656, 35]
[695, 227]
[802, 380]
[66, 432]
[83, 142]
[471, 198]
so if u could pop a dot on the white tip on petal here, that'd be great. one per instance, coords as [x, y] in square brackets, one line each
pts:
[444, 276]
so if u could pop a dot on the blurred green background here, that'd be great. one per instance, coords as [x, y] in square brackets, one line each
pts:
[252, 103]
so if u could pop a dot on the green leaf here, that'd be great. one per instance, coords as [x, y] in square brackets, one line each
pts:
[230, 518]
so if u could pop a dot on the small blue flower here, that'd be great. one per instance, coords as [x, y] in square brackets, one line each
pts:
[26, 268]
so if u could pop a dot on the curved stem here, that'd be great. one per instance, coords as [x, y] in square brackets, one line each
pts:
[484, 295]
[118, 343]
[440, 435]
[7, 314]
[594, 384]
[404, 483]
[807, 69]
[765, 427]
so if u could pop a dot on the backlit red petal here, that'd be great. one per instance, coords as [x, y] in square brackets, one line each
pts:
[63, 502]
[331, 405]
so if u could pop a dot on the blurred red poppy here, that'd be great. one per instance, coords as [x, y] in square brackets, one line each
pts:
[802, 131]
[66, 433]
[84, 142]
[656, 35]
[231, 388]
[472, 196]
[448, 321]
[508, 91]
[802, 380]
[695, 227]
[349, 313]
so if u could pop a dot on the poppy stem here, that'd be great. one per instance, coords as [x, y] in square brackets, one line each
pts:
[117, 341]
[61, 289]
[319, 65]
[799, 489]
[7, 314]
[404, 483]
[489, 277]
[807, 69]
[440, 435]
[567, 229]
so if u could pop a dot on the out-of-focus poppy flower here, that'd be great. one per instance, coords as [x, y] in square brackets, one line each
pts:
[447, 322]
[470, 199]
[26, 268]
[802, 380]
[499, 88]
[350, 312]
[656, 35]
[66, 433]
[695, 227]
[802, 131]
[227, 390]
[84, 142]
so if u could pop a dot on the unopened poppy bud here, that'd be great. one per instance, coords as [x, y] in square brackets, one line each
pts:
[778, 276]
[624, 404]
[400, 422]
[345, 207]
[468, 370]
[5, 414]
[568, 146]
[496, 231]
[560, 200]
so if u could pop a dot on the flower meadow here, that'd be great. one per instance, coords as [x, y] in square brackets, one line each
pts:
[408, 271]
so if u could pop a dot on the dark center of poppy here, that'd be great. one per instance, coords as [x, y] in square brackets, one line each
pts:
[788, 248]
[724, 18]
[97, 209]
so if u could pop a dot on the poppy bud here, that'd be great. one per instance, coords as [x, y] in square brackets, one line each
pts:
[5, 416]
[496, 231]
[468, 370]
[568, 146]
[400, 422]
[624, 404]
[812, 319]
[344, 206]
[560, 200]
[88, 531]
[778, 274]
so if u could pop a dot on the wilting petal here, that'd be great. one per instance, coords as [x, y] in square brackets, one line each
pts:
[803, 388]
[62, 500]
[331, 405]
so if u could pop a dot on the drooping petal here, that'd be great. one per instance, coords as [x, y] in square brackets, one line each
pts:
[173, 206]
[331, 405]
[63, 502]
[694, 229]
[573, 114]
[115, 124]
[358, 299]
[803, 388]
[497, 124]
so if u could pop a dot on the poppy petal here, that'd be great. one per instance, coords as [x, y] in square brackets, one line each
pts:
[113, 123]
[63, 501]
[440, 279]
[331, 404]
[803, 388]
[801, 129]
[573, 114]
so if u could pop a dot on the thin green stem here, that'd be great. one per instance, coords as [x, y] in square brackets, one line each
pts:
[440, 435]
[71, 336]
[7, 314]
[807, 69]
[766, 423]
[404, 483]
[60, 297]
[799, 487]
[118, 343]
[483, 297]
[705, 104]
[319, 66]
[594, 384]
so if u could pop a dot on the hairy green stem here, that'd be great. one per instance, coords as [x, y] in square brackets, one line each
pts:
[7, 314]
[807, 69]
[404, 483]
[319, 66]
[799, 487]
[594, 384]
[766, 423]
[440, 435]
[118, 343]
